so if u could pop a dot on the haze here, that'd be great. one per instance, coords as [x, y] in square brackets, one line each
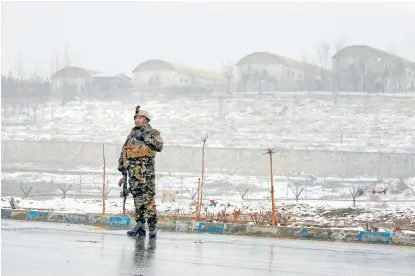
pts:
[115, 37]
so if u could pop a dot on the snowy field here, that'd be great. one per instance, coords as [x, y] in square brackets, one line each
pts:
[313, 121]
[321, 202]
[294, 121]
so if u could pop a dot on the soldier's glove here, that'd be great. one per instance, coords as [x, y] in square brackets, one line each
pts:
[121, 168]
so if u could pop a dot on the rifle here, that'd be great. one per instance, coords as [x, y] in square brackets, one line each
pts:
[124, 192]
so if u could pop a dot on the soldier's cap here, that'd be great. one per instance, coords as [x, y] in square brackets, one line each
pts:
[144, 113]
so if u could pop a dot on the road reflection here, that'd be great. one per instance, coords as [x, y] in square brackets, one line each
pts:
[143, 256]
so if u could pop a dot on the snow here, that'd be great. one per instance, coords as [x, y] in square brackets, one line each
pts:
[324, 202]
[297, 213]
[224, 187]
[248, 120]
[312, 121]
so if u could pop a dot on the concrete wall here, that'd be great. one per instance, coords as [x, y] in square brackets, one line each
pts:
[244, 161]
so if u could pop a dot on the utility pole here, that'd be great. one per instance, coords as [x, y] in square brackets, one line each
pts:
[204, 138]
[103, 180]
[271, 152]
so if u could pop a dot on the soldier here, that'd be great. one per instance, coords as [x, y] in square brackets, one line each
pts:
[137, 158]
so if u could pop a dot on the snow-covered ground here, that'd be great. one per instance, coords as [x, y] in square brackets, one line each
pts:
[221, 187]
[250, 120]
[322, 202]
[295, 213]
[309, 121]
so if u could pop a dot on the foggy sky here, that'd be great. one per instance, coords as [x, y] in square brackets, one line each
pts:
[116, 37]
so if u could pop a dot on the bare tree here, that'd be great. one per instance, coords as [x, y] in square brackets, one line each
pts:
[20, 66]
[323, 51]
[106, 191]
[228, 73]
[192, 193]
[242, 191]
[64, 190]
[296, 192]
[339, 44]
[306, 81]
[355, 192]
[81, 180]
[34, 107]
[245, 79]
[67, 56]
[24, 189]
[57, 63]
[226, 178]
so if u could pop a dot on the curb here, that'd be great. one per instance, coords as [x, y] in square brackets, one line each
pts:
[280, 232]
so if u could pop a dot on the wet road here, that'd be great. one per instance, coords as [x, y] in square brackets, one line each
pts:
[42, 249]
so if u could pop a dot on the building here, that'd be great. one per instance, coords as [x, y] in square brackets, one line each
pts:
[71, 79]
[163, 74]
[110, 82]
[262, 71]
[362, 68]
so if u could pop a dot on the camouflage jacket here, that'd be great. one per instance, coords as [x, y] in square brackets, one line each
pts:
[149, 140]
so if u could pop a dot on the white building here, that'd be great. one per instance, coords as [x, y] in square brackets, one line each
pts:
[71, 79]
[362, 68]
[159, 73]
[262, 71]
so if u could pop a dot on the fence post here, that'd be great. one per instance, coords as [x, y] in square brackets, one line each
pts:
[103, 180]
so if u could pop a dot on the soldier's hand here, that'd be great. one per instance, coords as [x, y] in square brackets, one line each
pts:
[121, 181]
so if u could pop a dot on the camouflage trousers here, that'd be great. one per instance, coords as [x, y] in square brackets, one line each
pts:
[143, 190]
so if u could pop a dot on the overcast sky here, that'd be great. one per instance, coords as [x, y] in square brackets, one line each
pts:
[116, 37]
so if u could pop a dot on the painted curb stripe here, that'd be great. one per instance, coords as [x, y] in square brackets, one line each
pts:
[217, 228]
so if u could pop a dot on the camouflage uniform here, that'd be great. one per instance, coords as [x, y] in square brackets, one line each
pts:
[140, 149]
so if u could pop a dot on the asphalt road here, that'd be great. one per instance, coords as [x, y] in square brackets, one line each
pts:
[42, 249]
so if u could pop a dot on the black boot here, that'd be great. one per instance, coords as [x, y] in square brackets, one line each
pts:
[152, 223]
[139, 229]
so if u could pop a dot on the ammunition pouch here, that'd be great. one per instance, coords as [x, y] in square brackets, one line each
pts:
[137, 151]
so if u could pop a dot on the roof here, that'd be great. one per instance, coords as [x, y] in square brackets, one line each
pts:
[364, 51]
[110, 75]
[269, 58]
[156, 64]
[73, 72]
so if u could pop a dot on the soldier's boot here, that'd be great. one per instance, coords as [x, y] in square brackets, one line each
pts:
[139, 229]
[152, 227]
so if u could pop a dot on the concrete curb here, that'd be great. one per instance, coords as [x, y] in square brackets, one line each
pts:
[281, 232]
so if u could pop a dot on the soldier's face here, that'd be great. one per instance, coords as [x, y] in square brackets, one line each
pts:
[140, 120]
